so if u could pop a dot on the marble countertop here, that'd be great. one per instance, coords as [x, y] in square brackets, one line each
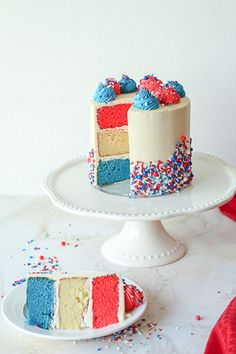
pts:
[203, 282]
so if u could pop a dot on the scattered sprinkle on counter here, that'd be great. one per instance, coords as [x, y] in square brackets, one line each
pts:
[141, 334]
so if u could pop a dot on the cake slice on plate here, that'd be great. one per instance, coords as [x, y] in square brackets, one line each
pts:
[78, 301]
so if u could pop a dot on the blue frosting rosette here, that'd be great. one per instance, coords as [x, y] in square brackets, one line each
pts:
[177, 86]
[104, 94]
[145, 100]
[127, 84]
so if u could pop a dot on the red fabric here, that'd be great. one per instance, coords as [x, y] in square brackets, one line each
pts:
[222, 339]
[229, 209]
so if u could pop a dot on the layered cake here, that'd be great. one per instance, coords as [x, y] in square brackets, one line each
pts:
[143, 136]
[75, 302]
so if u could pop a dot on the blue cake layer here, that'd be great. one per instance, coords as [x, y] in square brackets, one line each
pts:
[111, 171]
[40, 302]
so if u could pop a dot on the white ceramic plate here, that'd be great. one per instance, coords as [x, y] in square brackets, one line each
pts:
[13, 310]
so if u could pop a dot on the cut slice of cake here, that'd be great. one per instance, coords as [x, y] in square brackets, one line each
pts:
[74, 301]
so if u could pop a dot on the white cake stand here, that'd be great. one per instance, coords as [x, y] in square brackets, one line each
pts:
[143, 241]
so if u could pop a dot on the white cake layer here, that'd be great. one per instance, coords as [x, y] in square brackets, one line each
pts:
[113, 157]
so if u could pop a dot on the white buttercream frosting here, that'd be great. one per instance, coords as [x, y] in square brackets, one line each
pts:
[153, 134]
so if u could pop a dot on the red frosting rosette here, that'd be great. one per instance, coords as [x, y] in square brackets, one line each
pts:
[167, 95]
[133, 297]
[159, 94]
[170, 96]
[150, 83]
[114, 84]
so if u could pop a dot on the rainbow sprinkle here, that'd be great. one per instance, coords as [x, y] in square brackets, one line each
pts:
[157, 177]
[139, 335]
[19, 282]
[46, 265]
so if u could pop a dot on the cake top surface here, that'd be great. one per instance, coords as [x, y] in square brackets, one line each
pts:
[151, 93]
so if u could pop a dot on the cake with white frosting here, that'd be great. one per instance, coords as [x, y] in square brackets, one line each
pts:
[143, 136]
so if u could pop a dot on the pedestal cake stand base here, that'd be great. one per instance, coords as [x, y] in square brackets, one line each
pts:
[143, 244]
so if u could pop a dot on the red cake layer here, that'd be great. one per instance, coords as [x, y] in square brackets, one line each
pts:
[113, 116]
[105, 297]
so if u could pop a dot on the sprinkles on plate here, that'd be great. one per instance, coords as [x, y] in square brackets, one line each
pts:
[134, 337]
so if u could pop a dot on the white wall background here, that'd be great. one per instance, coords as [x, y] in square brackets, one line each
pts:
[54, 52]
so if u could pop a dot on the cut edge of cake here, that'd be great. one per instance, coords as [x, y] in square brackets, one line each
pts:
[118, 161]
